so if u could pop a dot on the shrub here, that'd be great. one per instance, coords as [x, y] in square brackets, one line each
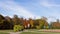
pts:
[17, 28]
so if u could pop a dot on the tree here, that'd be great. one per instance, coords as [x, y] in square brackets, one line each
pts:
[2, 19]
[31, 22]
[55, 25]
[43, 22]
[46, 25]
[25, 23]
[21, 21]
[36, 22]
[9, 22]
[16, 20]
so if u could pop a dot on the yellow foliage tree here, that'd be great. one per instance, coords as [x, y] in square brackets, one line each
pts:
[31, 23]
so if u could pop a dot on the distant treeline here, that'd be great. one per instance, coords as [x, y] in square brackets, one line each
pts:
[8, 23]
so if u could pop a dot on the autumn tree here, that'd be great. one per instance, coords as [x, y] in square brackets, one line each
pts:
[55, 25]
[31, 22]
[21, 20]
[16, 20]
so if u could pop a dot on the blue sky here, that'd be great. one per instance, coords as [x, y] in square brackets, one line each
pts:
[31, 8]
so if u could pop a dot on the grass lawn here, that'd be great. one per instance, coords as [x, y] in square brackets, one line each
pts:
[29, 33]
[39, 33]
[34, 31]
[3, 33]
[6, 30]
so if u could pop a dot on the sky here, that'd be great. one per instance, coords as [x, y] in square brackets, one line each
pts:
[31, 8]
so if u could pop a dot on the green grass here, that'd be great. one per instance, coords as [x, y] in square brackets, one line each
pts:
[6, 30]
[3, 33]
[39, 33]
[32, 29]
[29, 33]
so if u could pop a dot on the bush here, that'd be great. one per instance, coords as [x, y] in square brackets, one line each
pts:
[17, 28]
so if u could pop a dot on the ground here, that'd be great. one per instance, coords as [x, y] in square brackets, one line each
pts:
[42, 31]
[32, 31]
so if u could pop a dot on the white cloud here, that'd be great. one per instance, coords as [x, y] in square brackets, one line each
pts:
[53, 8]
[17, 9]
[48, 4]
[53, 16]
